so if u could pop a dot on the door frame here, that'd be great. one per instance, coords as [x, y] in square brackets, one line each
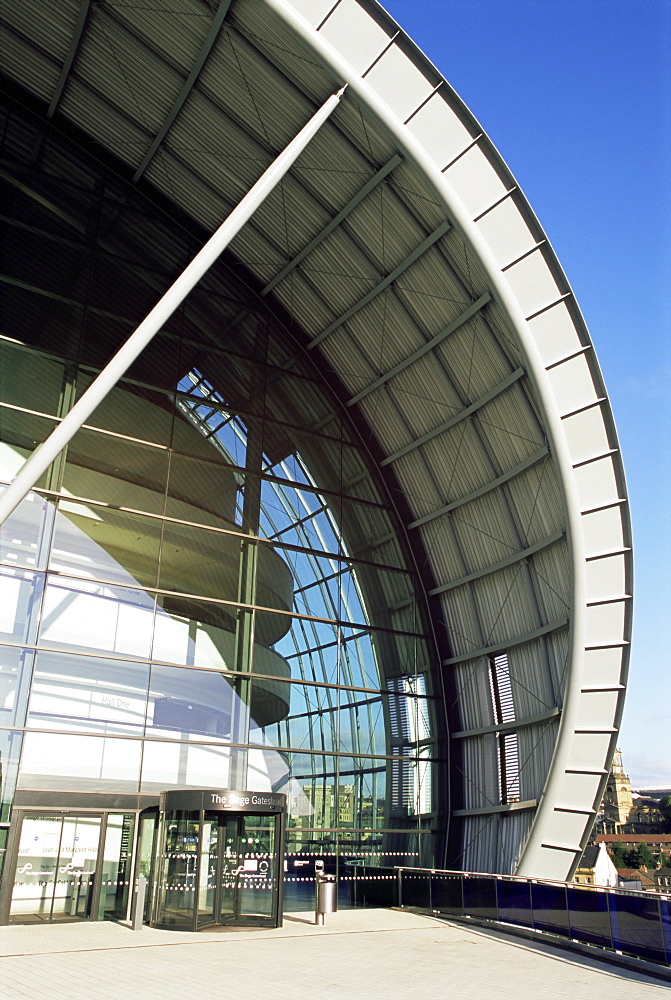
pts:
[234, 804]
[275, 918]
[62, 812]
[12, 855]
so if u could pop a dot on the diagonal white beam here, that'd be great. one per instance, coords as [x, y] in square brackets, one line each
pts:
[40, 460]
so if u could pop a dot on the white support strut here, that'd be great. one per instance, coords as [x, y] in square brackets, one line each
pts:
[45, 454]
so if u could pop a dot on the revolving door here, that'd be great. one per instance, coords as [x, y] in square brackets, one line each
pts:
[219, 860]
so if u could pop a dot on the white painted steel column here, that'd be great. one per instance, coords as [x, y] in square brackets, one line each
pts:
[43, 456]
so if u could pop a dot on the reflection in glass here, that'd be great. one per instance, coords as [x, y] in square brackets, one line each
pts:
[86, 615]
[16, 666]
[114, 873]
[102, 544]
[10, 752]
[56, 869]
[178, 867]
[228, 602]
[183, 765]
[79, 763]
[88, 693]
[20, 599]
[25, 535]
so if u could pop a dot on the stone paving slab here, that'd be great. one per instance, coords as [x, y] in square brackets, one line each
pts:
[376, 954]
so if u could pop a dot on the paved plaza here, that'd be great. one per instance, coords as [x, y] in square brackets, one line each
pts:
[376, 954]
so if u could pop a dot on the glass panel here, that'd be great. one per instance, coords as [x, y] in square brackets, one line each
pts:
[207, 871]
[25, 535]
[135, 411]
[335, 800]
[306, 715]
[16, 665]
[115, 867]
[77, 862]
[80, 763]
[588, 916]
[30, 379]
[229, 864]
[323, 652]
[636, 926]
[10, 753]
[21, 435]
[416, 889]
[52, 267]
[257, 886]
[331, 719]
[25, 319]
[177, 872]
[89, 693]
[20, 599]
[200, 562]
[146, 853]
[85, 615]
[204, 640]
[480, 897]
[186, 765]
[203, 490]
[515, 902]
[36, 869]
[189, 703]
[665, 917]
[105, 544]
[550, 908]
[115, 470]
[447, 893]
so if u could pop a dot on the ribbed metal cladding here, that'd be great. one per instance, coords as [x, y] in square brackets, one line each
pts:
[454, 425]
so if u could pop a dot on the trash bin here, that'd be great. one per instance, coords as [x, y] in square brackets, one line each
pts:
[326, 896]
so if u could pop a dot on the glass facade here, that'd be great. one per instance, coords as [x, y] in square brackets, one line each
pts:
[209, 588]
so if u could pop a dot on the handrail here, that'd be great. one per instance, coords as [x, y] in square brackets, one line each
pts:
[527, 879]
[627, 921]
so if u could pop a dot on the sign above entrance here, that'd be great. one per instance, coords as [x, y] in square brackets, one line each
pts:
[223, 800]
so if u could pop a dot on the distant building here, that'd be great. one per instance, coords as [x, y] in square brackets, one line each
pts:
[635, 878]
[618, 802]
[645, 816]
[596, 867]
[662, 879]
[624, 810]
[655, 841]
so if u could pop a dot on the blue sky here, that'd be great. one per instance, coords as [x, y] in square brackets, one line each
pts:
[576, 95]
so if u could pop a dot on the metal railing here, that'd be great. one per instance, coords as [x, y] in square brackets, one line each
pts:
[625, 921]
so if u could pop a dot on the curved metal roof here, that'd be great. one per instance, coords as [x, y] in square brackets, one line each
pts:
[407, 257]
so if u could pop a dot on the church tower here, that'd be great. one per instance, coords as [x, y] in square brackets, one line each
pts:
[617, 799]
